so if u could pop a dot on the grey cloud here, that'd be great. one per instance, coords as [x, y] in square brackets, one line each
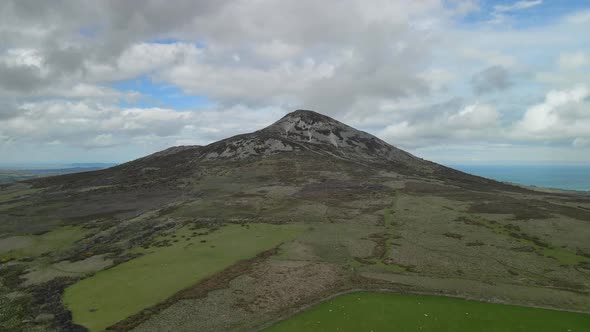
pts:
[445, 122]
[436, 110]
[379, 70]
[7, 110]
[491, 79]
[82, 122]
[425, 113]
[55, 27]
[349, 58]
[65, 60]
[92, 125]
[321, 29]
[21, 78]
[157, 16]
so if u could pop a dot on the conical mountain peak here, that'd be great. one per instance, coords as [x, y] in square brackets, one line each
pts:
[309, 122]
[308, 116]
[312, 131]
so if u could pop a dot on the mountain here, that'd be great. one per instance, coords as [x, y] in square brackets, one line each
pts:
[299, 133]
[256, 226]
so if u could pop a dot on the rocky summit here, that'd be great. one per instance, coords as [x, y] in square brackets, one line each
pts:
[301, 130]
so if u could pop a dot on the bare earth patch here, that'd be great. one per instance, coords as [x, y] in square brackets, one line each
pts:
[80, 268]
[249, 300]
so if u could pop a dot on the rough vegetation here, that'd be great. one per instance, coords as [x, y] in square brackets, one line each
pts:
[368, 216]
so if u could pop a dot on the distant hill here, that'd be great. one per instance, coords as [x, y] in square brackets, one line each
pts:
[14, 175]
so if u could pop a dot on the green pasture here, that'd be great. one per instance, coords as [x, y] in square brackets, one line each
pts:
[379, 312]
[114, 294]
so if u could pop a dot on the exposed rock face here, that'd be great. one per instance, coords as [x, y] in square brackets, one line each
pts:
[44, 318]
[307, 130]
[333, 136]
[245, 147]
[315, 128]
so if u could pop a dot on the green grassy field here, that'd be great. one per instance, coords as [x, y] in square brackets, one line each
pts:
[400, 313]
[114, 294]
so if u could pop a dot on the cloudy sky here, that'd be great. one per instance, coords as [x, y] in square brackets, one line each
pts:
[454, 81]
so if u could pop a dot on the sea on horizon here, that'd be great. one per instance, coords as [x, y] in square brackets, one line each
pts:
[567, 177]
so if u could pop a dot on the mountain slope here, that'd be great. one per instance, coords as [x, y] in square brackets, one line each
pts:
[369, 216]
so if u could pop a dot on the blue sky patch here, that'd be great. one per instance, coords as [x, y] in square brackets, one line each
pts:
[540, 14]
[89, 32]
[155, 94]
[198, 43]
